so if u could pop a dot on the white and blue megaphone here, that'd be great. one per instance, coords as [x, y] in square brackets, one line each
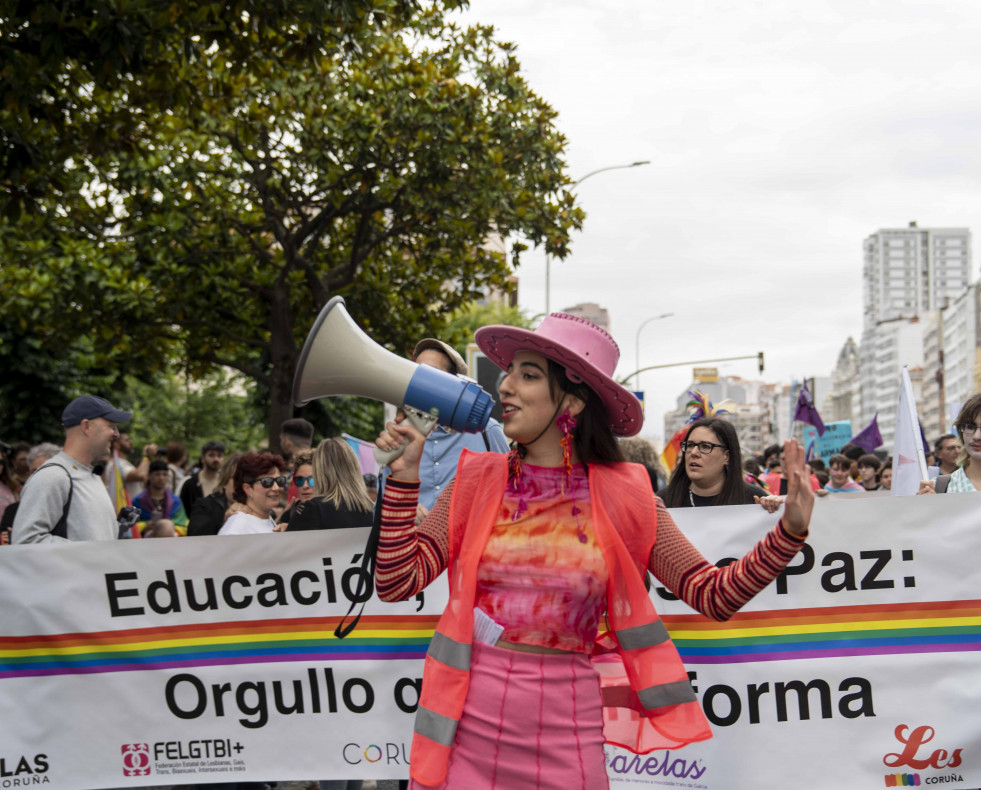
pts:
[338, 358]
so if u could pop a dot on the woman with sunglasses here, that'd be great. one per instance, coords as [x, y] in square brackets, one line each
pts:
[710, 471]
[341, 498]
[258, 486]
[303, 480]
[539, 544]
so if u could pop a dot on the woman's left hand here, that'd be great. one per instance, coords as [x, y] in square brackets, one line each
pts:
[280, 527]
[800, 497]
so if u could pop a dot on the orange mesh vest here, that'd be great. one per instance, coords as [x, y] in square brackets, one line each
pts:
[648, 700]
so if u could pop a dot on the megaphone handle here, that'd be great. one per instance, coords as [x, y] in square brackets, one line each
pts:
[422, 422]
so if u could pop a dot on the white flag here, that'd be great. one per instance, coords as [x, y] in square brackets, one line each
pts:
[908, 460]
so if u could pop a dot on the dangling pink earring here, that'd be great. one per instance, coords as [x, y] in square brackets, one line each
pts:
[567, 424]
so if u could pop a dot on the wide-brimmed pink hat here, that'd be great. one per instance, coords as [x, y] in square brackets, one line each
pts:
[588, 354]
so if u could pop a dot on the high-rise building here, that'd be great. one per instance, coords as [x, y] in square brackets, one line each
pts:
[911, 271]
[844, 397]
[908, 275]
[960, 351]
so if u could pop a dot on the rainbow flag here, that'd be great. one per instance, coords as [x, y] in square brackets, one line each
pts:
[869, 630]
[215, 644]
[117, 491]
[672, 449]
[365, 452]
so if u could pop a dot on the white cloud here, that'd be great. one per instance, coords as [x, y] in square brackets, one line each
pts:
[780, 135]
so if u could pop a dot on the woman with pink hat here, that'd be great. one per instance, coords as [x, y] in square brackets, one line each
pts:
[521, 688]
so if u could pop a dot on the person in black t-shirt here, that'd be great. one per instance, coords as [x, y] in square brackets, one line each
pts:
[341, 499]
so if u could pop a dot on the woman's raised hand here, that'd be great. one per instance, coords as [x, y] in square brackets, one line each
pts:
[406, 466]
[800, 497]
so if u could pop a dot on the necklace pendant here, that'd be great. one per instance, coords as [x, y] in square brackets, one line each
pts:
[582, 536]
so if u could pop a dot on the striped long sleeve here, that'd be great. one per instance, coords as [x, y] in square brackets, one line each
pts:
[717, 593]
[410, 557]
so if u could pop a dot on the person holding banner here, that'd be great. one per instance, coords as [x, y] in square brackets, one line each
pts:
[968, 476]
[540, 543]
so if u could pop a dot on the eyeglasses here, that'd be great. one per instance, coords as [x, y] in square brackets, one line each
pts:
[303, 481]
[970, 428]
[705, 448]
[267, 482]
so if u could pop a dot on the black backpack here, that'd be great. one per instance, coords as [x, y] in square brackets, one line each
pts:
[61, 528]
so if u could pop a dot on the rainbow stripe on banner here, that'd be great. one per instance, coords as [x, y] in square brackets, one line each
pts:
[377, 637]
[896, 629]
[939, 627]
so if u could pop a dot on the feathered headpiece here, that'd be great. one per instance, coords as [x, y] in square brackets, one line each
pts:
[701, 406]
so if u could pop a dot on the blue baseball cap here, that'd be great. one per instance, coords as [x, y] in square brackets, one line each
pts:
[88, 407]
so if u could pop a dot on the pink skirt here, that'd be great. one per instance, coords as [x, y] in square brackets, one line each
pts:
[530, 720]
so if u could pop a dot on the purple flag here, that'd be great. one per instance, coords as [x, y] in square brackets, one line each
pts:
[869, 437]
[806, 412]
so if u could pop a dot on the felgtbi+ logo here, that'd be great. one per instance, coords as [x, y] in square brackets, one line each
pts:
[136, 759]
[902, 780]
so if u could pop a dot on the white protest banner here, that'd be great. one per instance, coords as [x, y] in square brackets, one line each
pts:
[213, 659]
[857, 669]
[193, 660]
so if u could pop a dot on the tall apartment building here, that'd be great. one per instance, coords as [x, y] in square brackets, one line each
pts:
[933, 406]
[910, 271]
[844, 398]
[886, 348]
[908, 275]
[960, 350]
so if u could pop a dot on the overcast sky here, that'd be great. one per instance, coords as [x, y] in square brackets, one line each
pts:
[780, 136]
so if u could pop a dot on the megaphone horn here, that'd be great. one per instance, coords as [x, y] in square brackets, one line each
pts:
[338, 358]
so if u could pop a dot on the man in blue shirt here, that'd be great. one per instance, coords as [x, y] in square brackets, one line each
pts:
[444, 446]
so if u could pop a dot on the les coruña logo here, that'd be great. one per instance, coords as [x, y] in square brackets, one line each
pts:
[910, 756]
[136, 759]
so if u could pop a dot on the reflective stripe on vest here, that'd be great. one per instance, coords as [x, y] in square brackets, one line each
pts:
[435, 726]
[639, 636]
[665, 694]
[450, 652]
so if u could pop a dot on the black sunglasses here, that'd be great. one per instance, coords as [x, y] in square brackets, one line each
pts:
[267, 482]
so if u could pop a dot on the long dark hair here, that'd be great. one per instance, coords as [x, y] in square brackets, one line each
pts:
[593, 440]
[733, 489]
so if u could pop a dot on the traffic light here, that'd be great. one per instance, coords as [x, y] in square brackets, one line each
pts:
[759, 359]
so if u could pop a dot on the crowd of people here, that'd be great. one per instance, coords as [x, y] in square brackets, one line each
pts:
[546, 528]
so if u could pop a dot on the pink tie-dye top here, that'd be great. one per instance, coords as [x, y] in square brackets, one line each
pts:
[536, 577]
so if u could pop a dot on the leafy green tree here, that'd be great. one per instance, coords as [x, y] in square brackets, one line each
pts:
[464, 322]
[175, 407]
[374, 170]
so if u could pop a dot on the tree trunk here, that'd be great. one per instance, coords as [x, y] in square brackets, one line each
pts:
[283, 353]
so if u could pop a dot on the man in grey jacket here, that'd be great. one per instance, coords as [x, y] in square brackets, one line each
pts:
[90, 427]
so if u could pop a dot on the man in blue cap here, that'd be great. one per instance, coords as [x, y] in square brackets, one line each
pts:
[65, 499]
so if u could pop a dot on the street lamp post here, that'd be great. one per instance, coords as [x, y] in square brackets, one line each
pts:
[548, 258]
[637, 347]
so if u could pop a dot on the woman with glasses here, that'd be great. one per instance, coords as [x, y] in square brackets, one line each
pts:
[340, 499]
[259, 482]
[709, 471]
[968, 476]
[303, 480]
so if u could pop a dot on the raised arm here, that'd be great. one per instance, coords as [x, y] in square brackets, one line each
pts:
[720, 592]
